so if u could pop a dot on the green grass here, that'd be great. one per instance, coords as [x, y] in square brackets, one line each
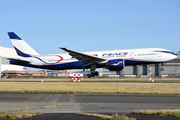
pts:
[90, 87]
[157, 80]
[121, 117]
[94, 85]
[5, 115]
[172, 113]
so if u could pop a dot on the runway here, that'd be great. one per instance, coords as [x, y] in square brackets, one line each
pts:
[92, 103]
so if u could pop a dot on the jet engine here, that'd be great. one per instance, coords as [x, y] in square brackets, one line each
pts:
[114, 65]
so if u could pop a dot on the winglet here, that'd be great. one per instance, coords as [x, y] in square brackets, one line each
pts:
[13, 35]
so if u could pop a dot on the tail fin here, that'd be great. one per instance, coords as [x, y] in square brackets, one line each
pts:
[21, 47]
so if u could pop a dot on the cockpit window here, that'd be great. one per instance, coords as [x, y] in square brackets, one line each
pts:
[172, 52]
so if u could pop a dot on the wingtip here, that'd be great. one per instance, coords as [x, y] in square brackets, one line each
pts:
[63, 48]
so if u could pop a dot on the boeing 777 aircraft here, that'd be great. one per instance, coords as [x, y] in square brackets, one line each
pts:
[113, 59]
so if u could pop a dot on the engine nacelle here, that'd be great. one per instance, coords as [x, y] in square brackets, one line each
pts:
[114, 65]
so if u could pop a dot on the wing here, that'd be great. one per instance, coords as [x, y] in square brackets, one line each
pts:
[88, 59]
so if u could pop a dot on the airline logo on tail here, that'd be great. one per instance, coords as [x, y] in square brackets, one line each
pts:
[22, 54]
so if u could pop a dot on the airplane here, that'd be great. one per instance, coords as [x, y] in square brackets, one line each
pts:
[114, 60]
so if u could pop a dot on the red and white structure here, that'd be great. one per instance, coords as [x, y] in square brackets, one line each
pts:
[149, 73]
[76, 77]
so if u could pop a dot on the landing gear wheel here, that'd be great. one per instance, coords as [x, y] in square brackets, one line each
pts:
[89, 75]
[96, 73]
[92, 74]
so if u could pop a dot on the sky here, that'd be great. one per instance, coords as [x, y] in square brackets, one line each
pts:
[91, 25]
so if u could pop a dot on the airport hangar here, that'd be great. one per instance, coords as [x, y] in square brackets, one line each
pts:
[171, 68]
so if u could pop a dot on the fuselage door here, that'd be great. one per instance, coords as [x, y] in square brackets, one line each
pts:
[159, 54]
[131, 55]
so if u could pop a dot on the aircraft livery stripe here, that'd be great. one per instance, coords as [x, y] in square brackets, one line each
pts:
[12, 35]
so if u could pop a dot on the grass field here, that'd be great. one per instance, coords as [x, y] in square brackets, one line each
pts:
[172, 113]
[96, 85]
[157, 80]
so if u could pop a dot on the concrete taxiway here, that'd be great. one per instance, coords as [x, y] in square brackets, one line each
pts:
[95, 103]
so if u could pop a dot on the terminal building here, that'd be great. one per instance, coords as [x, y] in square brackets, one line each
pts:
[170, 69]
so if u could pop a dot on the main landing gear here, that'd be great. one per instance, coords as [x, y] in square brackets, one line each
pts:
[92, 74]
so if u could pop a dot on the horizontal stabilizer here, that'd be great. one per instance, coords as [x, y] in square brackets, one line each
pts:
[19, 60]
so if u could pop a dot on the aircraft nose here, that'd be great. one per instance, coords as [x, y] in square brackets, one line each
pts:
[173, 56]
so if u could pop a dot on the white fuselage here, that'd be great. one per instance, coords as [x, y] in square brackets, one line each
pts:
[130, 56]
